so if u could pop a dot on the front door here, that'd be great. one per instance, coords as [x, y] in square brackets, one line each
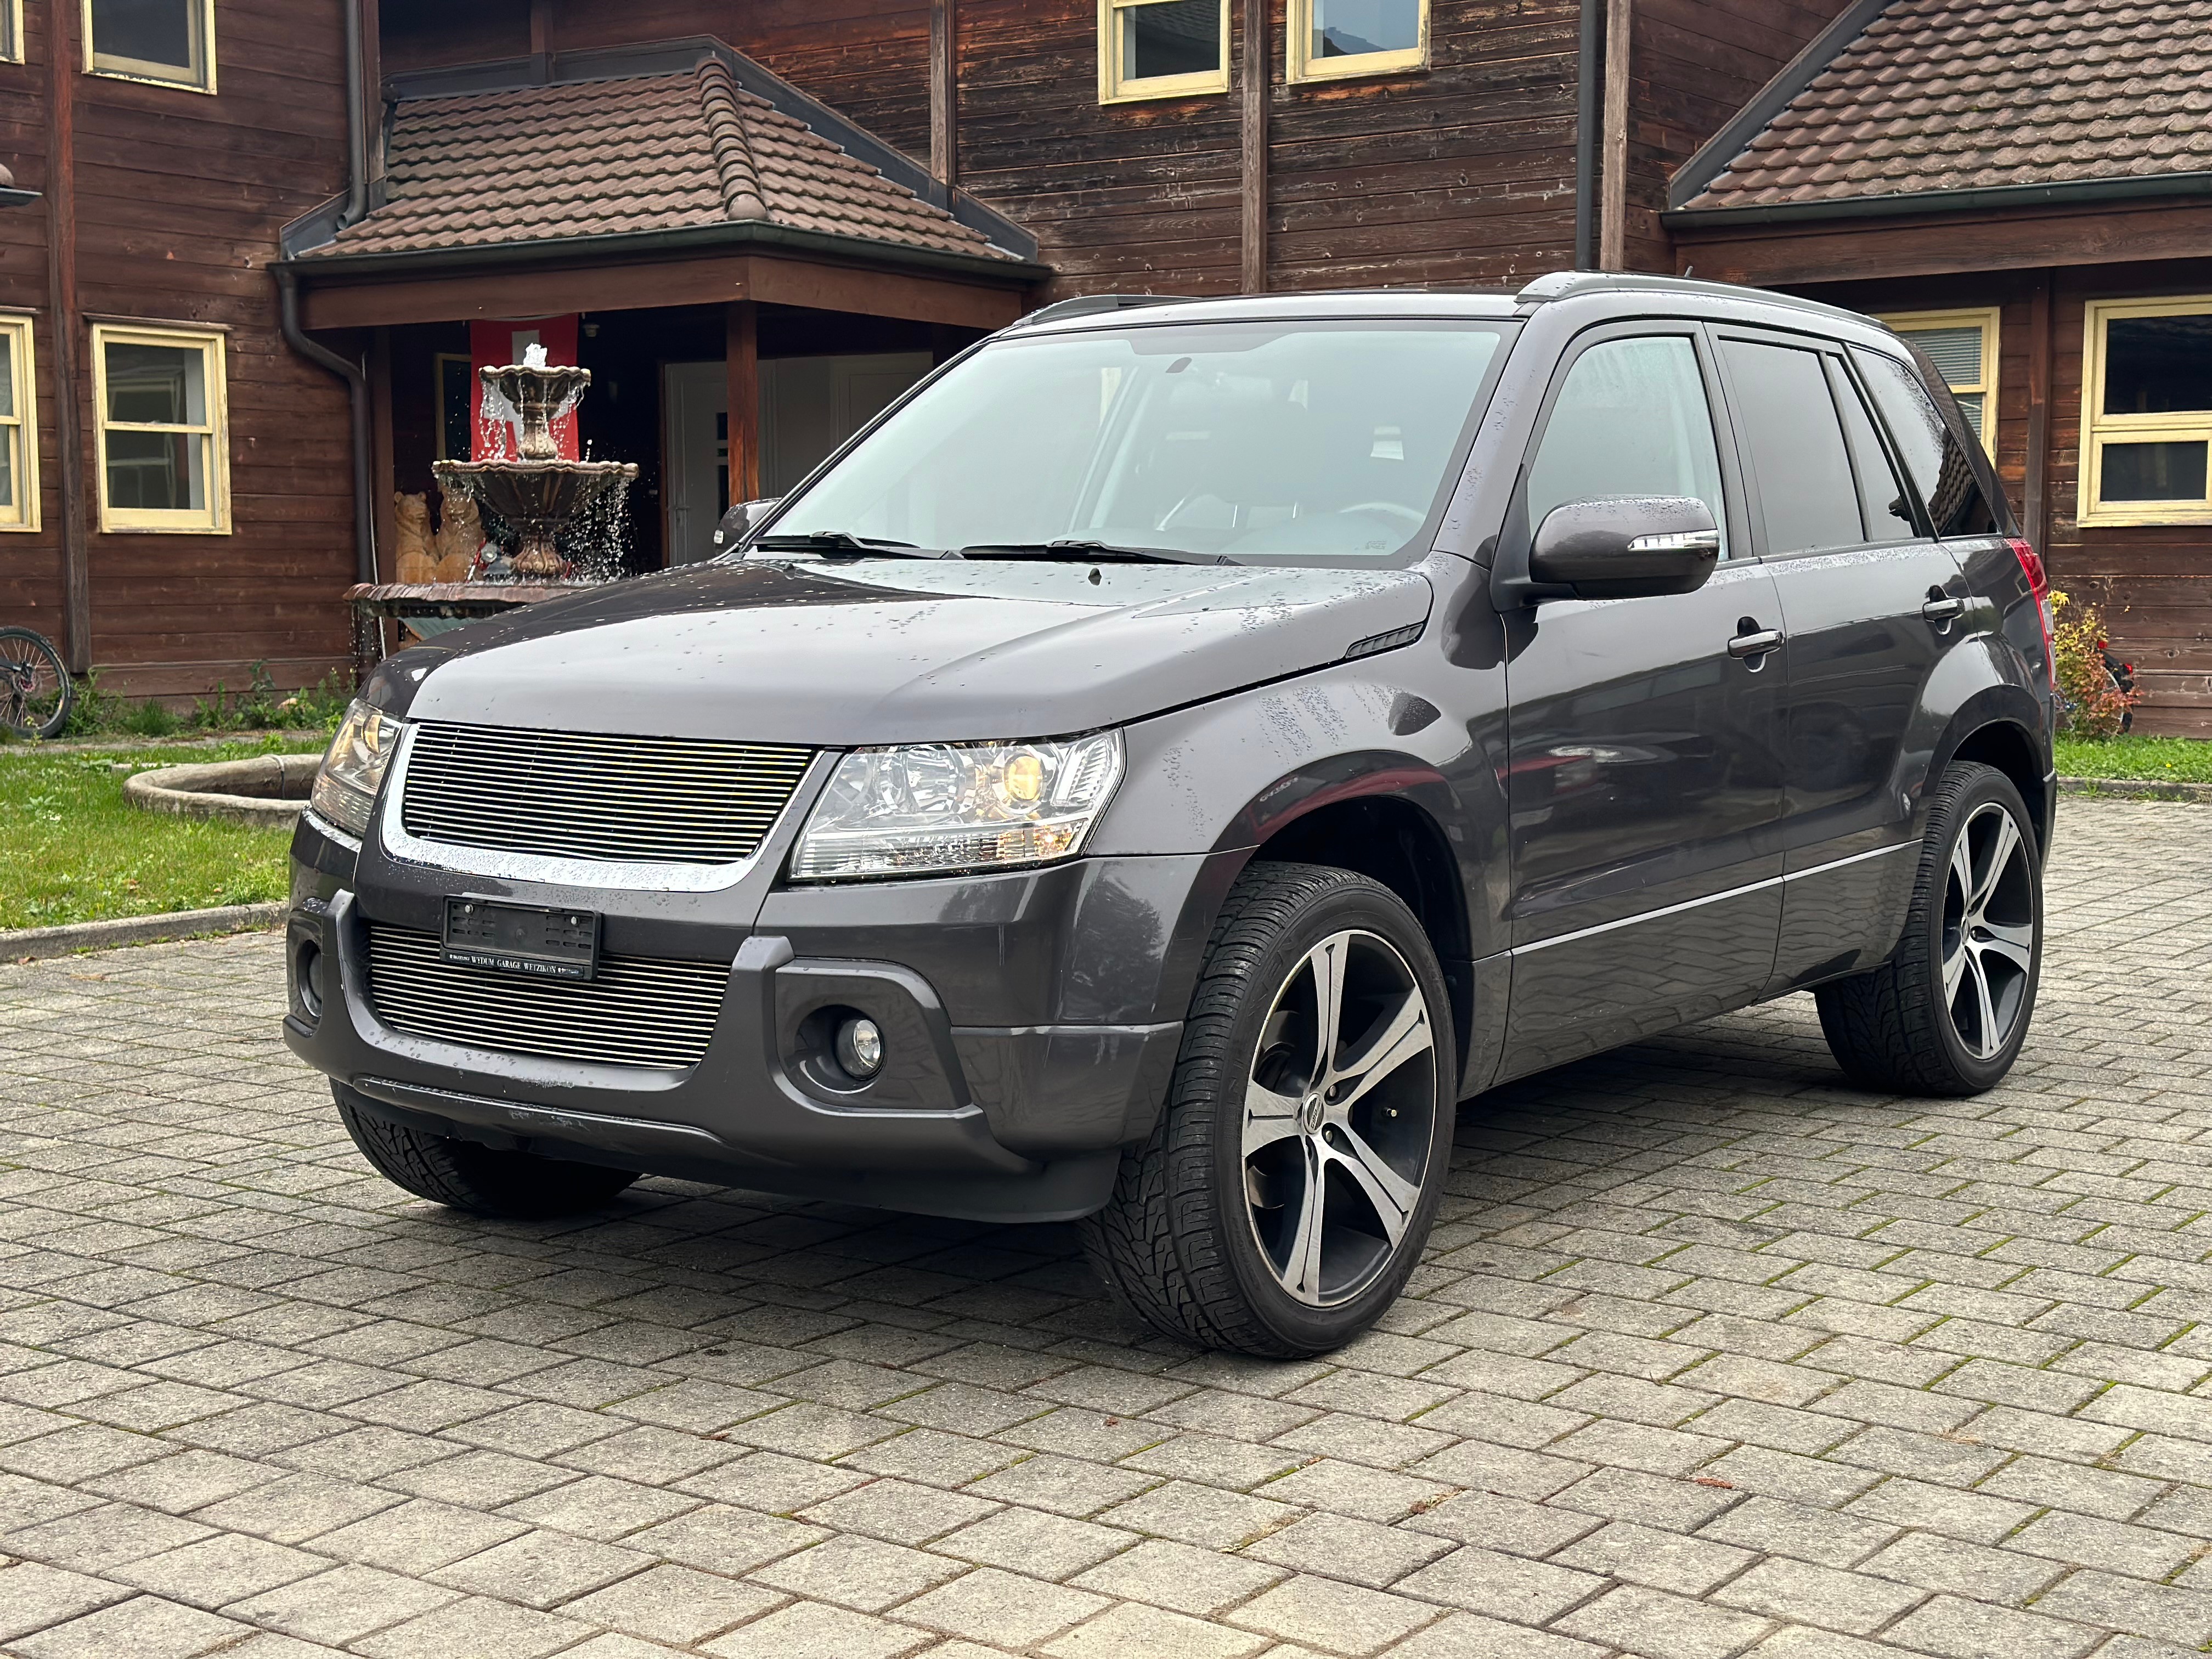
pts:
[695, 400]
[1871, 601]
[1645, 769]
[810, 406]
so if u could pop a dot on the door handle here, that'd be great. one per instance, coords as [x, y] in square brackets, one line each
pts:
[1754, 641]
[1942, 607]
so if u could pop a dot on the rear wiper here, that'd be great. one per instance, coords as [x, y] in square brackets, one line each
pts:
[1091, 551]
[844, 541]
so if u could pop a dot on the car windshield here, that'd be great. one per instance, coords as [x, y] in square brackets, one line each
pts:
[1327, 443]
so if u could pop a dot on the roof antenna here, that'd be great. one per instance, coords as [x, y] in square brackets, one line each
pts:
[1688, 271]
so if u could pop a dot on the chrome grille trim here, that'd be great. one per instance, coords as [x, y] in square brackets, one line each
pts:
[594, 795]
[641, 1010]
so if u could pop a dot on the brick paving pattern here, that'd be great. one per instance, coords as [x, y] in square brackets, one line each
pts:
[1710, 1356]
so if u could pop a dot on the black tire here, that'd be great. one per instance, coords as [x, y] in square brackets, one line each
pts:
[1201, 1231]
[465, 1176]
[35, 689]
[1898, 1029]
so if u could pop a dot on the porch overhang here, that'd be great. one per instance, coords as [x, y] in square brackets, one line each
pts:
[773, 265]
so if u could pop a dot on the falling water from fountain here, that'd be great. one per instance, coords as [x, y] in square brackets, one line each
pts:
[566, 515]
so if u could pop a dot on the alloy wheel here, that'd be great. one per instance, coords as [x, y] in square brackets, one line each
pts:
[1988, 930]
[1340, 1113]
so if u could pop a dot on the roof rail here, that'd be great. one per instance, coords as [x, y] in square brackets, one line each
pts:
[1564, 284]
[1090, 305]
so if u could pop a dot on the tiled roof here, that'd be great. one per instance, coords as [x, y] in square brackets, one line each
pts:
[597, 158]
[1960, 94]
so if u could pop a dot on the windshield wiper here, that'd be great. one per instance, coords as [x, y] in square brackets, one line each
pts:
[1093, 552]
[844, 541]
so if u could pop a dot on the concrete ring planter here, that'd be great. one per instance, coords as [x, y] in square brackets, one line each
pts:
[268, 790]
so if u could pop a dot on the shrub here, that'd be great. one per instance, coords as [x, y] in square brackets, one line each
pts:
[99, 712]
[2090, 702]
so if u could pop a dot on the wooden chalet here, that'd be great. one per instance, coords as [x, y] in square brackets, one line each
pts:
[264, 243]
[2025, 190]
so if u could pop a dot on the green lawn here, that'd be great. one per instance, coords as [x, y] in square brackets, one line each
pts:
[70, 850]
[2170, 760]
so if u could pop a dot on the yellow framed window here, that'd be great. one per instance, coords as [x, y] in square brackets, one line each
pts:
[2146, 411]
[164, 448]
[1162, 49]
[171, 41]
[19, 426]
[1330, 40]
[11, 31]
[1963, 346]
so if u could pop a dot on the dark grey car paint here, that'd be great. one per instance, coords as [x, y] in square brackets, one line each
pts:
[1696, 852]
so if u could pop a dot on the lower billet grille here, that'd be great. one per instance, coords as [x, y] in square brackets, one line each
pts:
[641, 1010]
[592, 795]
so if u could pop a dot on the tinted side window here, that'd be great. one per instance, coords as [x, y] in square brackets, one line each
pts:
[1932, 454]
[1882, 496]
[1631, 419]
[1788, 420]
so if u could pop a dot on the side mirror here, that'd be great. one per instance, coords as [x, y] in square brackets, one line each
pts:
[1624, 547]
[738, 523]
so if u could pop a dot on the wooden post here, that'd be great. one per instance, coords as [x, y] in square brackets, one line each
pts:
[2035, 508]
[943, 94]
[1613, 204]
[742, 359]
[61, 283]
[1254, 135]
[541, 38]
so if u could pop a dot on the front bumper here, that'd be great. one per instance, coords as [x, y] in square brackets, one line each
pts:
[992, 1102]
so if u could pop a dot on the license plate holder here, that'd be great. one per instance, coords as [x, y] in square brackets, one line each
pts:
[535, 941]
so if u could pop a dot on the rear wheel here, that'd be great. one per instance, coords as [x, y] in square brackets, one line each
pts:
[1283, 1197]
[35, 689]
[466, 1176]
[1948, 1012]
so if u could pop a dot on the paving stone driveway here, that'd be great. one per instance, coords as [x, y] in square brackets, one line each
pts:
[1711, 1355]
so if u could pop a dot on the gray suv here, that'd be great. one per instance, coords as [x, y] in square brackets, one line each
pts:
[1179, 753]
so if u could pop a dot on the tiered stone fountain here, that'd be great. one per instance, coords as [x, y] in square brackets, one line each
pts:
[541, 495]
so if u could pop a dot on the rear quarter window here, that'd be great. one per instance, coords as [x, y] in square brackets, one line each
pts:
[1929, 446]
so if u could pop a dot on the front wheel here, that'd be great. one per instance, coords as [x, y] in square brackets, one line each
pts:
[1948, 1012]
[35, 689]
[1284, 1195]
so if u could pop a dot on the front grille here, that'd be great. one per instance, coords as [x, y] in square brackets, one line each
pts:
[585, 795]
[641, 1010]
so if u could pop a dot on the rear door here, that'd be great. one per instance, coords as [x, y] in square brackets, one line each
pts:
[1644, 774]
[1870, 600]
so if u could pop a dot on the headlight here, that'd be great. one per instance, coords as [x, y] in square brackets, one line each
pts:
[927, 808]
[353, 771]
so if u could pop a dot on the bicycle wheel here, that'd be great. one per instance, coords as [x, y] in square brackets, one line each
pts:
[35, 691]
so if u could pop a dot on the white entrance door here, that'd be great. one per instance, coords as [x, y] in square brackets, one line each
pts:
[810, 406]
[695, 403]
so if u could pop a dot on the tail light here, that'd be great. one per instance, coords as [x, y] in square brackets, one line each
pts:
[2038, 587]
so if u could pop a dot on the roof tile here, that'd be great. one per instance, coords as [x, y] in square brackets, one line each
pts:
[596, 158]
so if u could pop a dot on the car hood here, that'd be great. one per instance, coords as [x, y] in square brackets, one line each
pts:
[901, 650]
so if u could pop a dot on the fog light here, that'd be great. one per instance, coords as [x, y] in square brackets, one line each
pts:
[860, 1048]
[310, 974]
